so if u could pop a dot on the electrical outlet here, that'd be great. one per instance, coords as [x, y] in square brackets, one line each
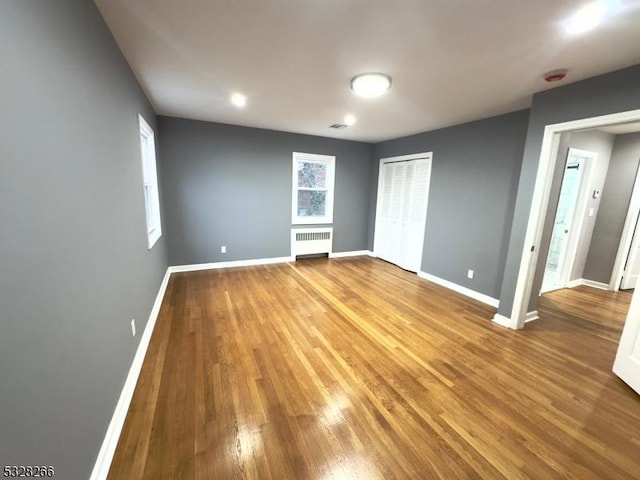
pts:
[469, 273]
[133, 327]
[223, 249]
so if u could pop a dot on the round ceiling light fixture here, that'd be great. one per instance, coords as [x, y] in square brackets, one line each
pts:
[370, 85]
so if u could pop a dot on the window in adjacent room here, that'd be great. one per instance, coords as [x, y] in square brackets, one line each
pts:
[312, 192]
[150, 182]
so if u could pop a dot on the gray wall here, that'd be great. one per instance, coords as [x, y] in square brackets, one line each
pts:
[230, 185]
[616, 196]
[74, 259]
[602, 144]
[593, 141]
[472, 192]
[614, 92]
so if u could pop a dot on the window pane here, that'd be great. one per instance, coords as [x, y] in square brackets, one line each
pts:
[312, 175]
[148, 204]
[311, 203]
[150, 183]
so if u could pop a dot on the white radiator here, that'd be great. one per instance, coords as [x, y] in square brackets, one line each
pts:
[308, 241]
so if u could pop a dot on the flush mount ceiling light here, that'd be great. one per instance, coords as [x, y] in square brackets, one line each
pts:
[370, 84]
[349, 120]
[587, 18]
[238, 100]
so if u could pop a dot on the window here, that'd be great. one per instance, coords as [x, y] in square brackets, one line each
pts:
[150, 182]
[312, 191]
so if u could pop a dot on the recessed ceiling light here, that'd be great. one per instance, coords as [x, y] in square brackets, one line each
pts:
[238, 100]
[370, 84]
[349, 120]
[587, 18]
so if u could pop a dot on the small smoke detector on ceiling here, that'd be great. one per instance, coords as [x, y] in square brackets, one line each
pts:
[338, 126]
[556, 75]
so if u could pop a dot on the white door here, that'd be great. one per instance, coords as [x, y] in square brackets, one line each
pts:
[554, 274]
[397, 205]
[386, 243]
[403, 189]
[632, 267]
[414, 214]
[627, 363]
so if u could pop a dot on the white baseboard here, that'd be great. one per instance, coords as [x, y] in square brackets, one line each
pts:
[355, 253]
[502, 321]
[110, 442]
[481, 297]
[531, 316]
[593, 284]
[506, 321]
[237, 263]
[587, 283]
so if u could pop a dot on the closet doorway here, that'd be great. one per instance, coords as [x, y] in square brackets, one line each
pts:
[401, 211]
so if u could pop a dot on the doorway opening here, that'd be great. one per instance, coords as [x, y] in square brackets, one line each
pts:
[541, 198]
[569, 220]
[627, 360]
[586, 244]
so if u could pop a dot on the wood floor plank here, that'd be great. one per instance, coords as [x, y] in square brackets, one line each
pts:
[354, 368]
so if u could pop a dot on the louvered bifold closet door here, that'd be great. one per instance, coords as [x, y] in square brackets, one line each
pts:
[401, 211]
[414, 214]
[397, 211]
[384, 221]
[390, 211]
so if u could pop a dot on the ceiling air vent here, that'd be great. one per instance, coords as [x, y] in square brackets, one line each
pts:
[338, 126]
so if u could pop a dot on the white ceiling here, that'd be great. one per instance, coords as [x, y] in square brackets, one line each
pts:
[451, 61]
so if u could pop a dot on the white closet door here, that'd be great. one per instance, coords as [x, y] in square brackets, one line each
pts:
[415, 215]
[397, 206]
[384, 221]
[387, 243]
[401, 210]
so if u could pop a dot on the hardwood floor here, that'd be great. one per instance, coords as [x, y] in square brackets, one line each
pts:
[354, 369]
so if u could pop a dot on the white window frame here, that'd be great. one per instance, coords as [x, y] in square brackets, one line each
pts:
[150, 182]
[330, 161]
